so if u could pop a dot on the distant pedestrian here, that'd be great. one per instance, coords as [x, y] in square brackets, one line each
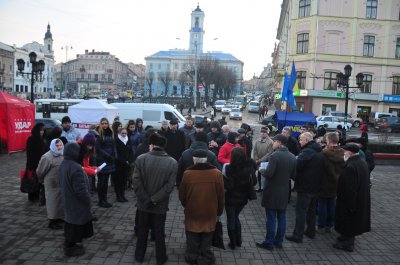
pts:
[122, 164]
[153, 181]
[74, 185]
[202, 195]
[181, 107]
[353, 206]
[204, 106]
[261, 112]
[364, 131]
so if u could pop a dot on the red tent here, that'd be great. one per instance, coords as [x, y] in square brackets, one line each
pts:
[17, 118]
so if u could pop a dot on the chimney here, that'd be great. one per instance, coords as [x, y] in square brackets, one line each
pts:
[86, 51]
[93, 50]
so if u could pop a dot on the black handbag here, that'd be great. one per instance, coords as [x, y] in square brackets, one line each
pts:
[252, 195]
[29, 181]
[218, 239]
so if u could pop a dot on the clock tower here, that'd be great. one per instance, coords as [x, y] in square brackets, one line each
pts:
[196, 31]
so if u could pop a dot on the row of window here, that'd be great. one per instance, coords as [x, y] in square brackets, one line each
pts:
[330, 82]
[368, 47]
[371, 8]
[182, 67]
[24, 89]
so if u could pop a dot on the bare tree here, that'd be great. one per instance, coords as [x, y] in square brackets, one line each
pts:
[207, 73]
[149, 80]
[183, 78]
[166, 79]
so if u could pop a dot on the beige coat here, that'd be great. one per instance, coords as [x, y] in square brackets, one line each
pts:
[263, 149]
[47, 172]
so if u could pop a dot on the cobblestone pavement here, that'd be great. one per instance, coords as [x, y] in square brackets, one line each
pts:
[25, 238]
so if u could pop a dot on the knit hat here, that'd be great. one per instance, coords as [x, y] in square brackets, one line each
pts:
[264, 129]
[232, 137]
[164, 122]
[65, 119]
[89, 139]
[157, 140]
[215, 124]
[241, 130]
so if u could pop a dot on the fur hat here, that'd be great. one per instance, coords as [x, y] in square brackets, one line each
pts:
[215, 124]
[158, 140]
[352, 148]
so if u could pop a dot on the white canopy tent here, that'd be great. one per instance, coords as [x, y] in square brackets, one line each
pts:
[90, 112]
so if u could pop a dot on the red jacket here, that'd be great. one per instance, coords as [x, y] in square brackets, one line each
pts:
[224, 155]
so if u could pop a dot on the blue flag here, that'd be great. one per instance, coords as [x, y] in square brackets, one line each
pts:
[286, 84]
[292, 83]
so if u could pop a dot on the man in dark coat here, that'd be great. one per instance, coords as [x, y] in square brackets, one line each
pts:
[153, 182]
[281, 167]
[74, 186]
[353, 205]
[176, 142]
[309, 172]
[216, 138]
[293, 147]
[186, 160]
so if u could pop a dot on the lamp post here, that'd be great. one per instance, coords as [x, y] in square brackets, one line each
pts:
[195, 77]
[64, 86]
[37, 69]
[343, 82]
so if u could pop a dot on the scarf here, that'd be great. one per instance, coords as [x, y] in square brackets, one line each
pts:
[53, 148]
[123, 139]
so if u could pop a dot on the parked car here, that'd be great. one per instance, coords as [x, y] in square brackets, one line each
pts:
[268, 121]
[226, 109]
[388, 124]
[199, 119]
[375, 116]
[332, 122]
[235, 114]
[356, 122]
[254, 106]
[49, 123]
[219, 104]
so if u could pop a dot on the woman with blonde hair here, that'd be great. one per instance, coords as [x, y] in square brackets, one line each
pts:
[106, 153]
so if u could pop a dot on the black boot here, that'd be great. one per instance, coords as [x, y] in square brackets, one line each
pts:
[53, 224]
[239, 235]
[232, 238]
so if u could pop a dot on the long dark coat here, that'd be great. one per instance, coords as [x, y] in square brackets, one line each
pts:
[353, 205]
[281, 168]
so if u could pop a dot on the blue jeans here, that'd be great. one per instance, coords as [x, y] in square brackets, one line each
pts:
[326, 212]
[305, 214]
[232, 216]
[272, 237]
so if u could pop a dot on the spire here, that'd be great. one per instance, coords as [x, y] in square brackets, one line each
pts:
[48, 34]
[198, 8]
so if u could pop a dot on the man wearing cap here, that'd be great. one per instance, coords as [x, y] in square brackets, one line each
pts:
[69, 132]
[281, 167]
[176, 141]
[164, 127]
[215, 137]
[153, 181]
[244, 142]
[202, 195]
[309, 171]
[186, 160]
[263, 149]
[353, 203]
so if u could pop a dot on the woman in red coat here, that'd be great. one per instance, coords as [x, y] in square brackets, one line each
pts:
[224, 155]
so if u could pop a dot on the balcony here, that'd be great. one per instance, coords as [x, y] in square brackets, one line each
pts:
[82, 70]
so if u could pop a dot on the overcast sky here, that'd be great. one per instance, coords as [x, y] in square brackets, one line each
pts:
[132, 29]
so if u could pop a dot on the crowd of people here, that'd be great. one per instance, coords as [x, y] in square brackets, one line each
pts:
[214, 169]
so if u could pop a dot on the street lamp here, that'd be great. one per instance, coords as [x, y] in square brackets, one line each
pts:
[36, 71]
[343, 82]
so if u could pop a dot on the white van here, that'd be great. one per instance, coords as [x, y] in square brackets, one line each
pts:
[151, 113]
